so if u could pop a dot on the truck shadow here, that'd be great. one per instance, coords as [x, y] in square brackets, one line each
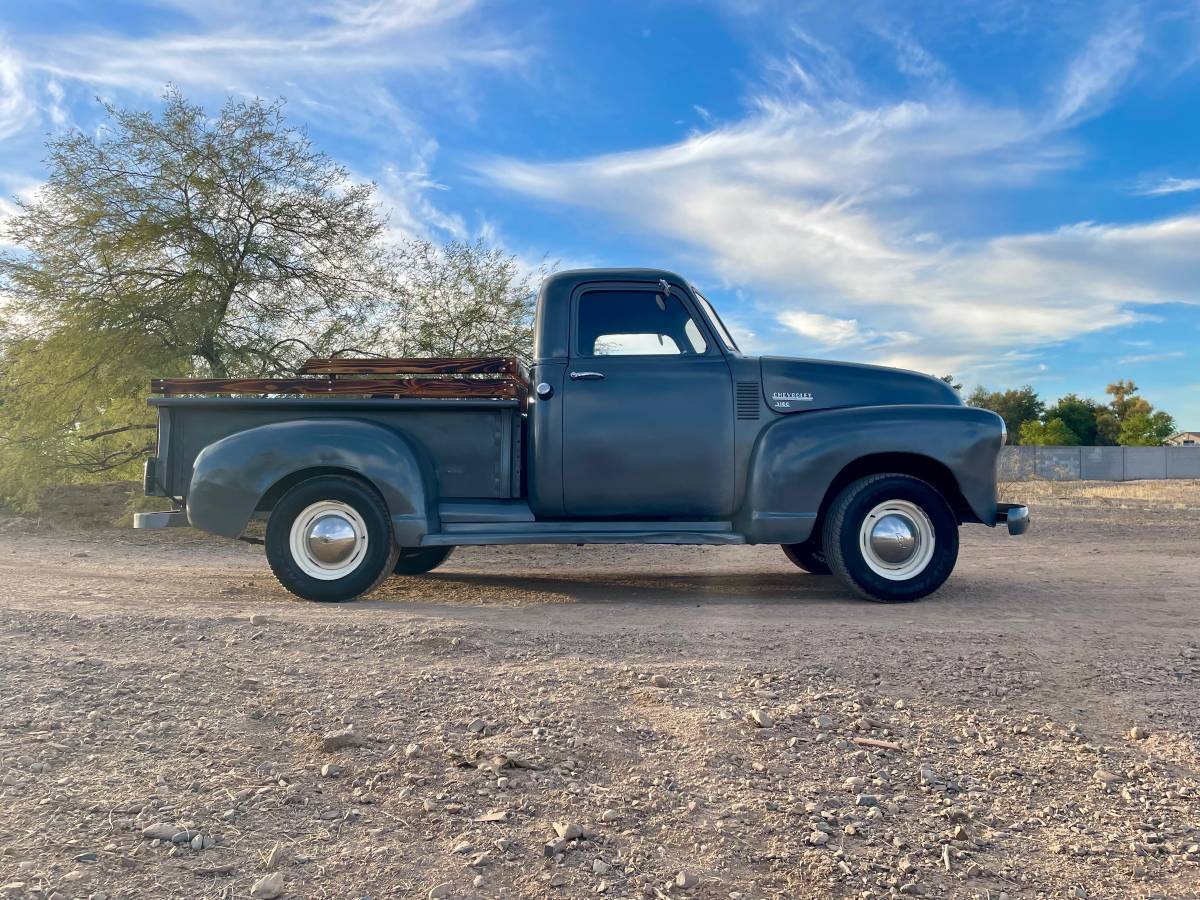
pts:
[718, 588]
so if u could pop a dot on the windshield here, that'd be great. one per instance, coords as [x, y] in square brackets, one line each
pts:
[722, 331]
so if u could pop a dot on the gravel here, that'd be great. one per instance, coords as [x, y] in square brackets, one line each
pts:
[979, 744]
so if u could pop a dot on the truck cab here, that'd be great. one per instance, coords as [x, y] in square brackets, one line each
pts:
[639, 420]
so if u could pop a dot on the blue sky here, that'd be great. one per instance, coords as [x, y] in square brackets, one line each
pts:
[1008, 191]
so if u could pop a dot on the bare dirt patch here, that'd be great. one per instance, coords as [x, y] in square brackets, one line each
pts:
[976, 744]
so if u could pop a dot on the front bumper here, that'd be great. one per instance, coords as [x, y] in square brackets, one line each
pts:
[1014, 515]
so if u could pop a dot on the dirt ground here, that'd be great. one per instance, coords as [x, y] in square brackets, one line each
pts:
[980, 743]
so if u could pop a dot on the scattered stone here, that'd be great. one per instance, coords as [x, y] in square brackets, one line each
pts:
[866, 800]
[329, 770]
[439, 891]
[464, 848]
[600, 867]
[161, 831]
[761, 718]
[1138, 733]
[268, 887]
[275, 857]
[568, 831]
[822, 723]
[609, 816]
[686, 880]
[339, 740]
[854, 784]
[477, 726]
[660, 681]
[258, 620]
[818, 838]
[1105, 777]
[170, 678]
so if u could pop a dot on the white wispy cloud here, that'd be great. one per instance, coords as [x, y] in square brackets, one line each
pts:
[830, 332]
[846, 202]
[1169, 185]
[1151, 357]
[356, 68]
[1101, 68]
[16, 108]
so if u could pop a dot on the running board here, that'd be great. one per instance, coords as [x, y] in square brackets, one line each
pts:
[584, 533]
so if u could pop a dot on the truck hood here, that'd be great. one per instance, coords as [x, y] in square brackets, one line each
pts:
[801, 385]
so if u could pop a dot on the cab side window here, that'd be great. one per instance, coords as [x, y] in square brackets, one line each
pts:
[636, 323]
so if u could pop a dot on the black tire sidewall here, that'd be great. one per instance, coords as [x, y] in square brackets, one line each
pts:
[381, 550]
[842, 535]
[807, 556]
[419, 560]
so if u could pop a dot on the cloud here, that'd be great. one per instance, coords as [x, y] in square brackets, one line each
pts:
[821, 192]
[830, 332]
[241, 46]
[354, 68]
[1168, 185]
[1096, 74]
[17, 110]
[1151, 357]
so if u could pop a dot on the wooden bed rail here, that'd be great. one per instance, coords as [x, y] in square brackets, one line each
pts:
[433, 378]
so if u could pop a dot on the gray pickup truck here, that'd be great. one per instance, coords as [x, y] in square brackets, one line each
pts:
[639, 421]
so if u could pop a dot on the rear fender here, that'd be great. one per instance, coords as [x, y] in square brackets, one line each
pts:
[799, 457]
[232, 476]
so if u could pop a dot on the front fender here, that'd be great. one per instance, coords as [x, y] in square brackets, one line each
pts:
[797, 458]
[231, 476]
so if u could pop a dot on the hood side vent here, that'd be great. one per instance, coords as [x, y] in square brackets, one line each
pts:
[749, 399]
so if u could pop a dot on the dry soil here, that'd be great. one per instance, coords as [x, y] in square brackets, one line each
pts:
[696, 722]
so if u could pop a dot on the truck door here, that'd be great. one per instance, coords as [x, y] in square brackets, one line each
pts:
[647, 408]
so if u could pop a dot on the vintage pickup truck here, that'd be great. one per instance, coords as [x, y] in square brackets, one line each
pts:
[639, 421]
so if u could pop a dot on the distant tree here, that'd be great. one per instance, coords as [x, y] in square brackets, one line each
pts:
[183, 243]
[1078, 415]
[463, 299]
[949, 379]
[1146, 429]
[1124, 401]
[1051, 433]
[1016, 407]
[1134, 419]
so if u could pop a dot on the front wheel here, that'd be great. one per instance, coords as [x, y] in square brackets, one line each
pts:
[891, 538]
[329, 539]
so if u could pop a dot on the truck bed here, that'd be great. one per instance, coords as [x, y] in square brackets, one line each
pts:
[473, 445]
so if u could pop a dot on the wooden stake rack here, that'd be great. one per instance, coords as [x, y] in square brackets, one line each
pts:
[422, 378]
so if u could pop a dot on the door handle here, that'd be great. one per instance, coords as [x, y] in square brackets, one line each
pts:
[585, 376]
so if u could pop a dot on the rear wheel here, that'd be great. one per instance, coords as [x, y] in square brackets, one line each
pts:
[419, 560]
[808, 556]
[891, 538]
[330, 539]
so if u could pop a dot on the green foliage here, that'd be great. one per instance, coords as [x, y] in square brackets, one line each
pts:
[1127, 419]
[949, 379]
[1079, 417]
[1015, 407]
[1144, 428]
[1051, 433]
[184, 244]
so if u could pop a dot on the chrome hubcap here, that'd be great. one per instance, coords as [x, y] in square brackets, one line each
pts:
[897, 540]
[331, 539]
[894, 538]
[328, 540]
